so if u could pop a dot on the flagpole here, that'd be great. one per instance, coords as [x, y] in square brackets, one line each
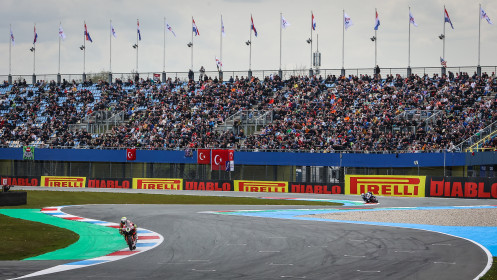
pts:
[192, 49]
[375, 41]
[221, 44]
[281, 22]
[34, 56]
[409, 44]
[58, 69]
[84, 52]
[312, 24]
[250, 46]
[137, 21]
[164, 60]
[443, 48]
[110, 47]
[343, 42]
[10, 46]
[479, 25]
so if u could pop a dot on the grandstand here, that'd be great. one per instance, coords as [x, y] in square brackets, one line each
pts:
[391, 113]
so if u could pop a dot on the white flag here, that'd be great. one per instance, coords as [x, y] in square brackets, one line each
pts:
[112, 30]
[170, 29]
[12, 38]
[222, 27]
[61, 32]
[411, 20]
[284, 23]
[346, 20]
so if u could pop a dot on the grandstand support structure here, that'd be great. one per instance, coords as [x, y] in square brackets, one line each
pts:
[248, 120]
[474, 142]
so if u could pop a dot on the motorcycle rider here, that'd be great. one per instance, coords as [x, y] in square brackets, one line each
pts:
[367, 197]
[125, 223]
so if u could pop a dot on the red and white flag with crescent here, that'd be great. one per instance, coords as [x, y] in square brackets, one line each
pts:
[203, 156]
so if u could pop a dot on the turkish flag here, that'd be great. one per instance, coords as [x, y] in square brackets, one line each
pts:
[131, 154]
[231, 155]
[203, 156]
[218, 159]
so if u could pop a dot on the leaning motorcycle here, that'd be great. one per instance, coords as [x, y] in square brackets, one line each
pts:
[129, 237]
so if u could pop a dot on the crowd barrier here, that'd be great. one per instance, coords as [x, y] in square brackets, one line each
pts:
[381, 185]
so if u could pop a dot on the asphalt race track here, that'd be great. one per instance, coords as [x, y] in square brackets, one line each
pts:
[199, 245]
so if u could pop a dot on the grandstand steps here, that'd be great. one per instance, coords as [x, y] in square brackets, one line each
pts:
[250, 121]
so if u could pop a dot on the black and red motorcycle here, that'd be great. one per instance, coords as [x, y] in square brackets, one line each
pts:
[129, 232]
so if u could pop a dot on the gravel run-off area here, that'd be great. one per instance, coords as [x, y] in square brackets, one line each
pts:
[442, 217]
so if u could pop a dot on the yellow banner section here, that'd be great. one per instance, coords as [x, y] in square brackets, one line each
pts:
[63, 181]
[386, 185]
[157, 184]
[260, 186]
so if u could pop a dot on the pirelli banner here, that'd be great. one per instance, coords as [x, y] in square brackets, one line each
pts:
[461, 187]
[157, 184]
[63, 181]
[386, 185]
[260, 186]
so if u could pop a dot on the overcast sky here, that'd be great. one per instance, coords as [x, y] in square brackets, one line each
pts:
[426, 48]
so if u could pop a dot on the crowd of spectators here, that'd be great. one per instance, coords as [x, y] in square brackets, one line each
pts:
[354, 113]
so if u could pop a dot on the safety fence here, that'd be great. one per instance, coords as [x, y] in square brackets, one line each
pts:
[381, 185]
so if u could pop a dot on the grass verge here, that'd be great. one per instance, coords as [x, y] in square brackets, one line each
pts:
[23, 239]
[39, 199]
[492, 273]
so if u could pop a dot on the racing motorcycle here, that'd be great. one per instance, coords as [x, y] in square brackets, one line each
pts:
[130, 236]
[369, 197]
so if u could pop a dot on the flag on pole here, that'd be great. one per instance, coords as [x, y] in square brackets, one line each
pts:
[194, 28]
[87, 35]
[252, 26]
[222, 27]
[347, 22]
[376, 22]
[35, 36]
[12, 38]
[219, 64]
[411, 20]
[485, 16]
[284, 23]
[138, 30]
[447, 18]
[313, 22]
[443, 62]
[61, 32]
[170, 29]
[112, 30]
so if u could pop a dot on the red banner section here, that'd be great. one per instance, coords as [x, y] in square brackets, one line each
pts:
[203, 156]
[461, 187]
[218, 159]
[196, 185]
[319, 188]
[131, 154]
[20, 181]
[109, 183]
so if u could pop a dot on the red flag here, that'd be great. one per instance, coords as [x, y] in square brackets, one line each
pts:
[131, 154]
[231, 155]
[203, 156]
[218, 159]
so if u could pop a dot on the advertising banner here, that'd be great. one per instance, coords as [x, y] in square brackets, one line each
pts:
[319, 188]
[461, 187]
[157, 184]
[260, 186]
[20, 180]
[63, 181]
[385, 185]
[196, 185]
[109, 183]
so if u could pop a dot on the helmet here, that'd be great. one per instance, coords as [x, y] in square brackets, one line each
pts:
[123, 220]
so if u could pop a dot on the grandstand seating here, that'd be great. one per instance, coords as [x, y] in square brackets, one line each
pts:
[355, 113]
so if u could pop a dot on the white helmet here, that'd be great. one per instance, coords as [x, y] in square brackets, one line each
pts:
[123, 220]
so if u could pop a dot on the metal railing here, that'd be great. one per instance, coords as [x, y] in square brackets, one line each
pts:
[476, 138]
[250, 120]
[261, 74]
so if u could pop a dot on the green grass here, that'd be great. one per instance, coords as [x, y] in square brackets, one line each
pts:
[492, 273]
[39, 199]
[23, 239]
